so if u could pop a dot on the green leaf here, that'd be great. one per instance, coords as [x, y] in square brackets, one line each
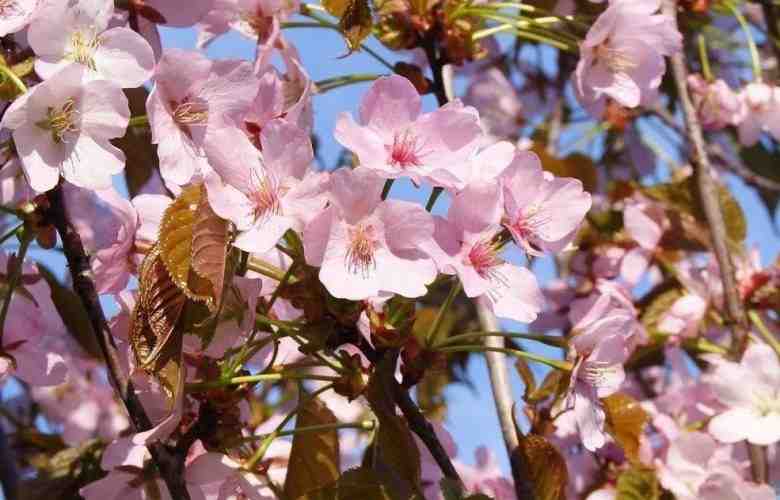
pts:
[395, 452]
[637, 483]
[360, 483]
[658, 306]
[555, 383]
[140, 153]
[314, 458]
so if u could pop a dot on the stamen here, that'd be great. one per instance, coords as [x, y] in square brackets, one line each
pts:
[60, 121]
[614, 59]
[266, 195]
[82, 49]
[484, 258]
[405, 151]
[190, 113]
[362, 246]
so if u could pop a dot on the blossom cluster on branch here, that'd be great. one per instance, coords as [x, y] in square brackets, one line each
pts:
[274, 313]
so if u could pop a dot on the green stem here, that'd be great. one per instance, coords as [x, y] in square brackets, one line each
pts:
[138, 121]
[282, 283]
[342, 81]
[755, 59]
[553, 363]
[266, 269]
[434, 196]
[250, 465]
[262, 377]
[544, 339]
[13, 280]
[11, 233]
[433, 333]
[9, 73]
[366, 425]
[704, 345]
[9, 211]
[705, 60]
[755, 318]
[386, 188]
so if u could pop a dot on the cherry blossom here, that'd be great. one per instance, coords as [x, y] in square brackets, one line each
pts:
[471, 248]
[264, 192]
[63, 126]
[758, 112]
[364, 245]
[75, 32]
[394, 139]
[622, 56]
[542, 212]
[15, 15]
[717, 105]
[751, 392]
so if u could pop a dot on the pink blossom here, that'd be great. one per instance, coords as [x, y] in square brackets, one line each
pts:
[192, 95]
[63, 125]
[14, 189]
[468, 246]
[542, 212]
[216, 471]
[175, 13]
[365, 246]
[500, 108]
[33, 333]
[394, 139]
[622, 56]
[109, 239]
[267, 192]
[750, 390]
[758, 112]
[15, 15]
[717, 105]
[486, 476]
[255, 19]
[604, 328]
[75, 32]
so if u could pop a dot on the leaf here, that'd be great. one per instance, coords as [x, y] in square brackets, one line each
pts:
[683, 196]
[335, 7]
[140, 152]
[187, 216]
[546, 467]
[575, 165]
[395, 451]
[360, 483]
[314, 458]
[625, 421]
[637, 483]
[159, 307]
[659, 305]
[73, 314]
[209, 248]
[23, 68]
[356, 23]
[529, 381]
[555, 382]
[63, 473]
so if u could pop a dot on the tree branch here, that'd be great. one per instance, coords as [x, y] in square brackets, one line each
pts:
[502, 395]
[708, 193]
[169, 464]
[9, 475]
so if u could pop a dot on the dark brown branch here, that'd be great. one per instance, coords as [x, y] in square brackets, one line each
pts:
[9, 475]
[169, 464]
[502, 395]
[773, 30]
[708, 193]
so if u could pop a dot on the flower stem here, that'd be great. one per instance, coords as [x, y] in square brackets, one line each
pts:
[11, 233]
[434, 196]
[755, 318]
[138, 121]
[266, 269]
[705, 60]
[433, 333]
[755, 59]
[365, 425]
[13, 279]
[262, 377]
[544, 339]
[386, 188]
[341, 81]
[9, 73]
[553, 363]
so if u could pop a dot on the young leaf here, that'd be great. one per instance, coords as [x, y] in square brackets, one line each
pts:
[182, 219]
[355, 484]
[314, 458]
[547, 468]
[637, 483]
[356, 23]
[159, 307]
[625, 421]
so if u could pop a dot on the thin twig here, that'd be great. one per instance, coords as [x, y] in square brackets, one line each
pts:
[169, 464]
[708, 193]
[502, 395]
